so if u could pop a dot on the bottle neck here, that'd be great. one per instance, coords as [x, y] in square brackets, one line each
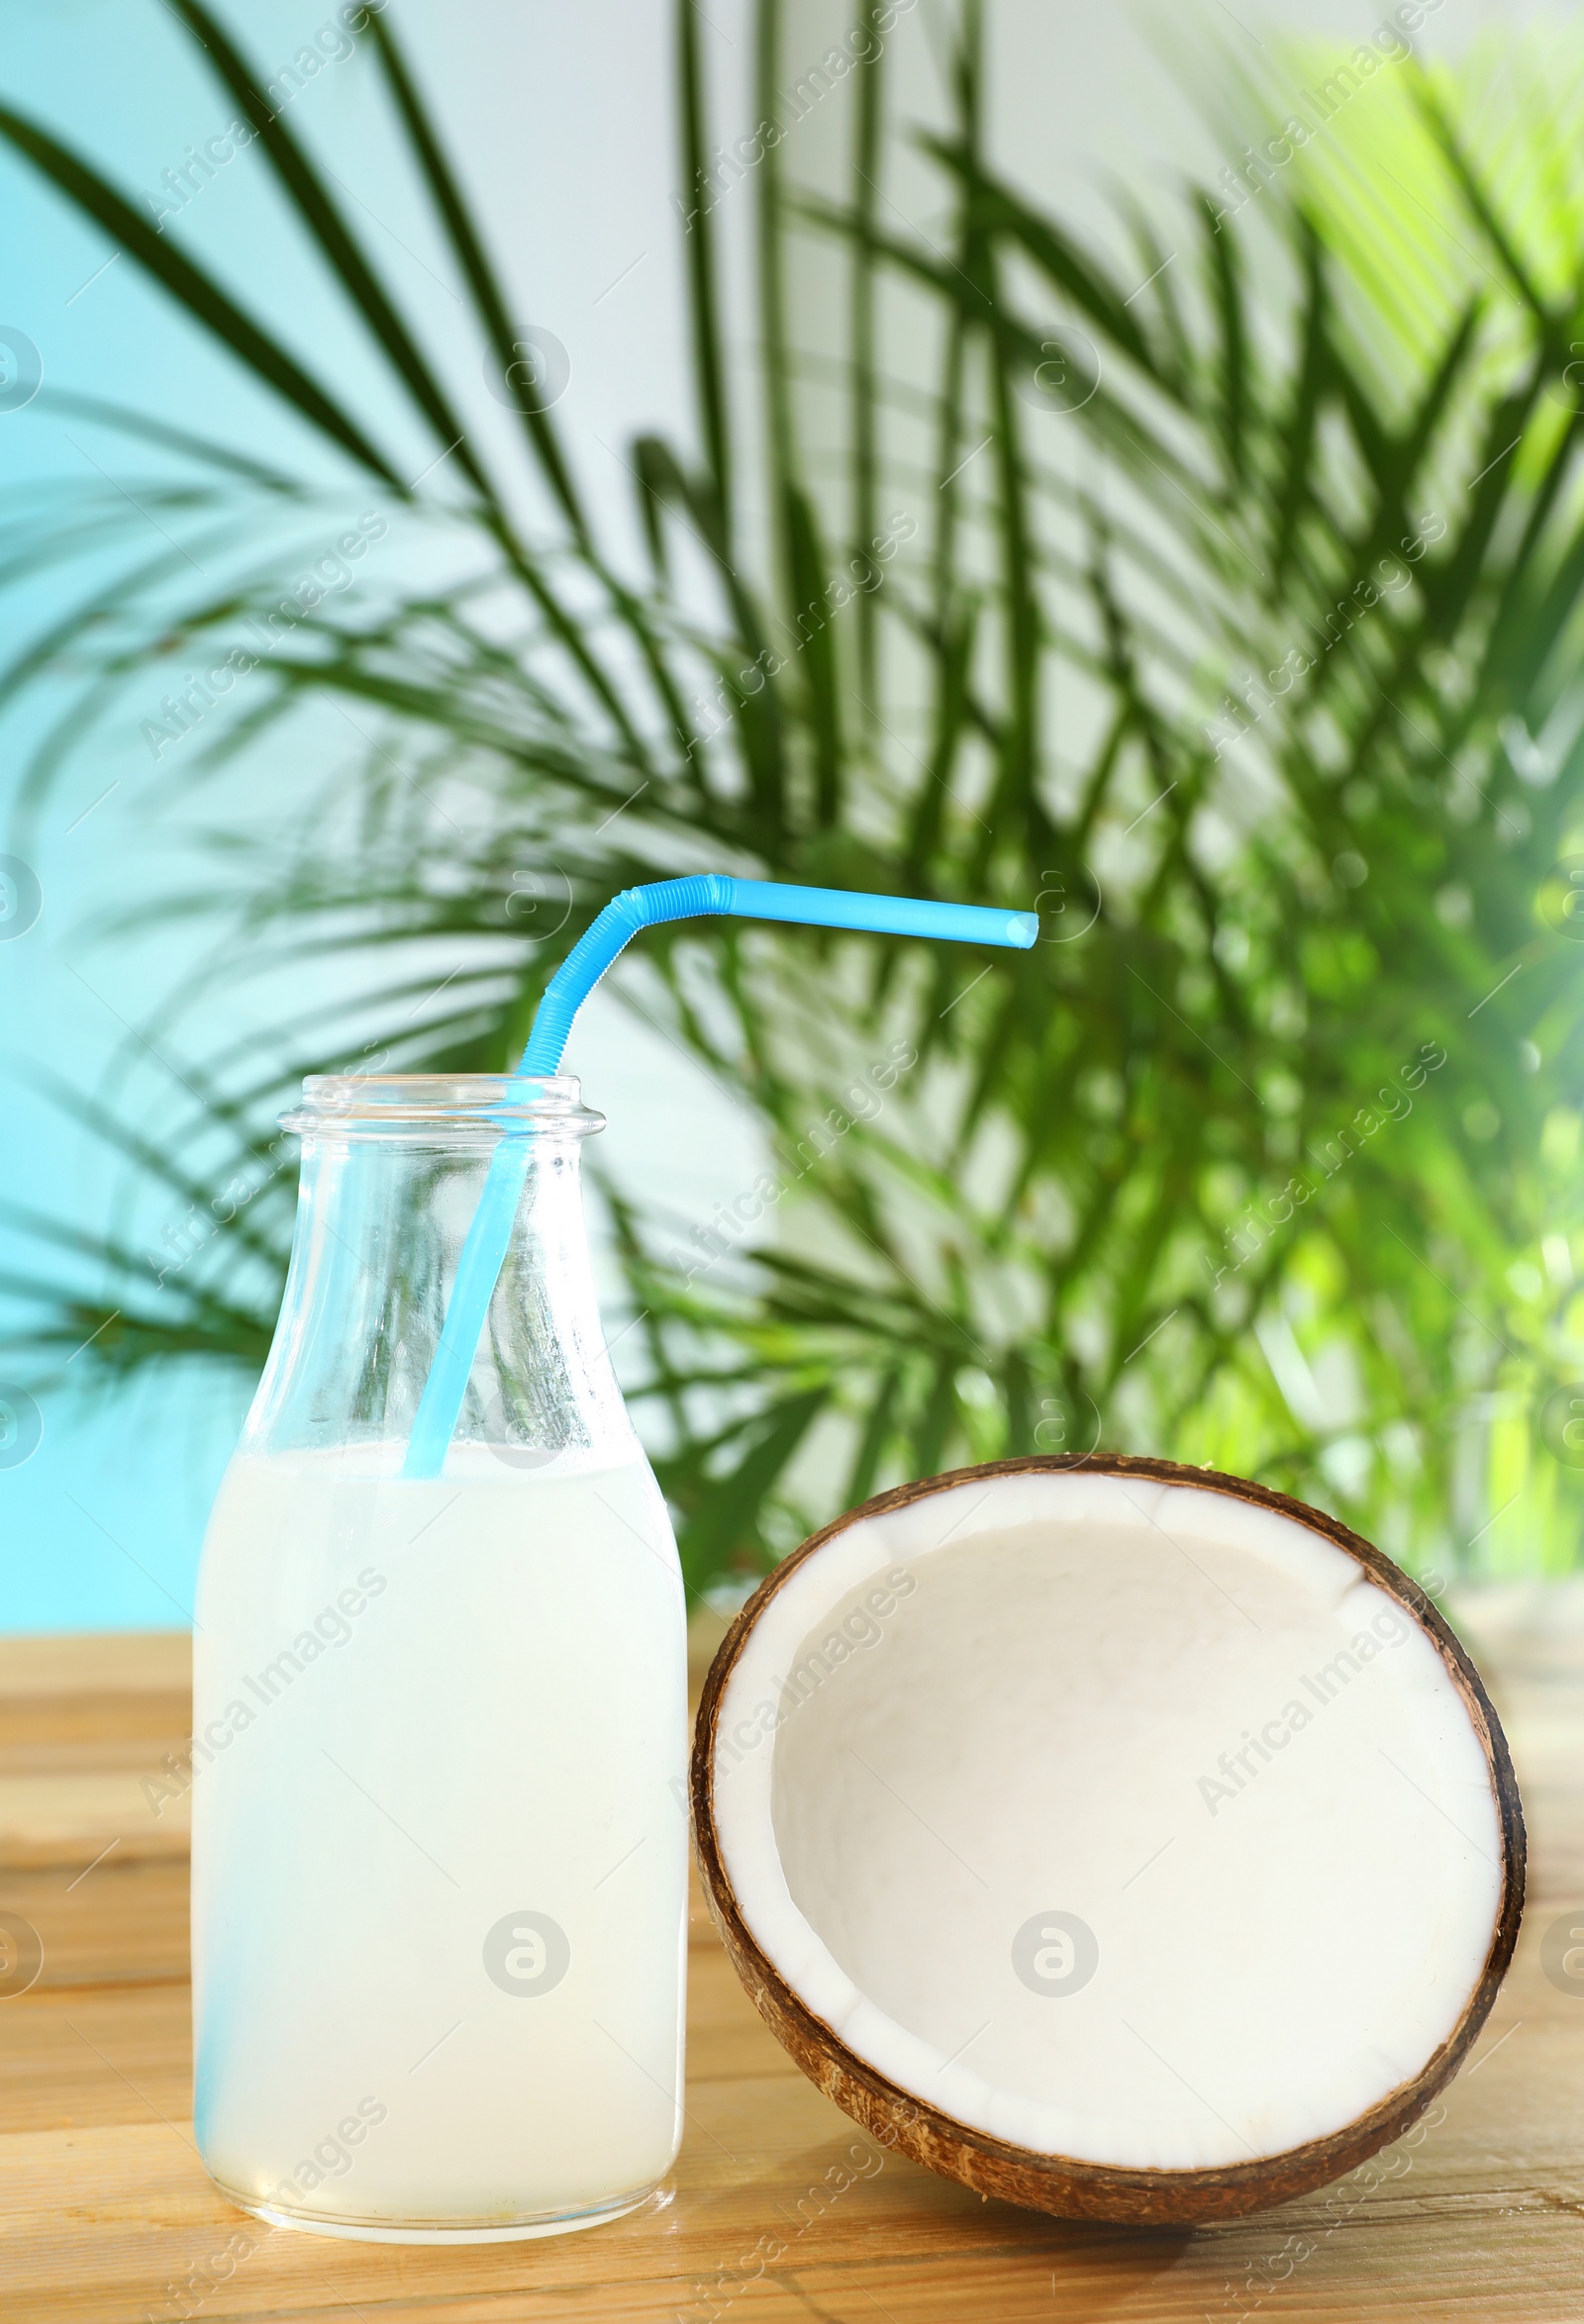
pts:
[380, 1223]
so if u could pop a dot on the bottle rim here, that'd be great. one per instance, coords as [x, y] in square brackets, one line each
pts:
[364, 1105]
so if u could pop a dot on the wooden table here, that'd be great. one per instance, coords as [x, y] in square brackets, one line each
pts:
[105, 2212]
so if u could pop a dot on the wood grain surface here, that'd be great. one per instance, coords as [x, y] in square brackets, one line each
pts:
[780, 2210]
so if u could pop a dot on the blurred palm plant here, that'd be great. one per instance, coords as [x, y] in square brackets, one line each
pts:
[1224, 597]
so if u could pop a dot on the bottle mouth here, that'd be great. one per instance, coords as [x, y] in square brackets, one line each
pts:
[376, 1105]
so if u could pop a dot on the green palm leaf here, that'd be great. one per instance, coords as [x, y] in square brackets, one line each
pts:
[1267, 1155]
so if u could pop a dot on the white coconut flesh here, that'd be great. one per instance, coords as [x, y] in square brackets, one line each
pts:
[1118, 1821]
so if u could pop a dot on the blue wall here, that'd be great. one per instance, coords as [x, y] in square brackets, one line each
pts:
[570, 161]
[560, 122]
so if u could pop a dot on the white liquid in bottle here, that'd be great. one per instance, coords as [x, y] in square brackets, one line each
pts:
[440, 1842]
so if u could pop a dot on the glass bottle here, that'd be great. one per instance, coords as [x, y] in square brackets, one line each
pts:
[439, 1868]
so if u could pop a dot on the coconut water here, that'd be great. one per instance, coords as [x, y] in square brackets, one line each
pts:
[440, 1895]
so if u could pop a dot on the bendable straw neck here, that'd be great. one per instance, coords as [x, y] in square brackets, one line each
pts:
[602, 942]
[716, 892]
[489, 1236]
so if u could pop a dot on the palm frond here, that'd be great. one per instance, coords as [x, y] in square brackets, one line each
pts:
[1266, 1154]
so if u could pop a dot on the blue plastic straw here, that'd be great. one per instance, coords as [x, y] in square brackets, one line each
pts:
[488, 1238]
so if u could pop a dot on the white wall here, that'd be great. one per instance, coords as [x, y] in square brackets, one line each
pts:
[561, 122]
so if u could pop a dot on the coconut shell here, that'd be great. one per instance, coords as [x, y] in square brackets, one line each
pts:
[1064, 2186]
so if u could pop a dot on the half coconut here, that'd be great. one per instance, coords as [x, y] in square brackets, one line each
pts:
[1119, 1838]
